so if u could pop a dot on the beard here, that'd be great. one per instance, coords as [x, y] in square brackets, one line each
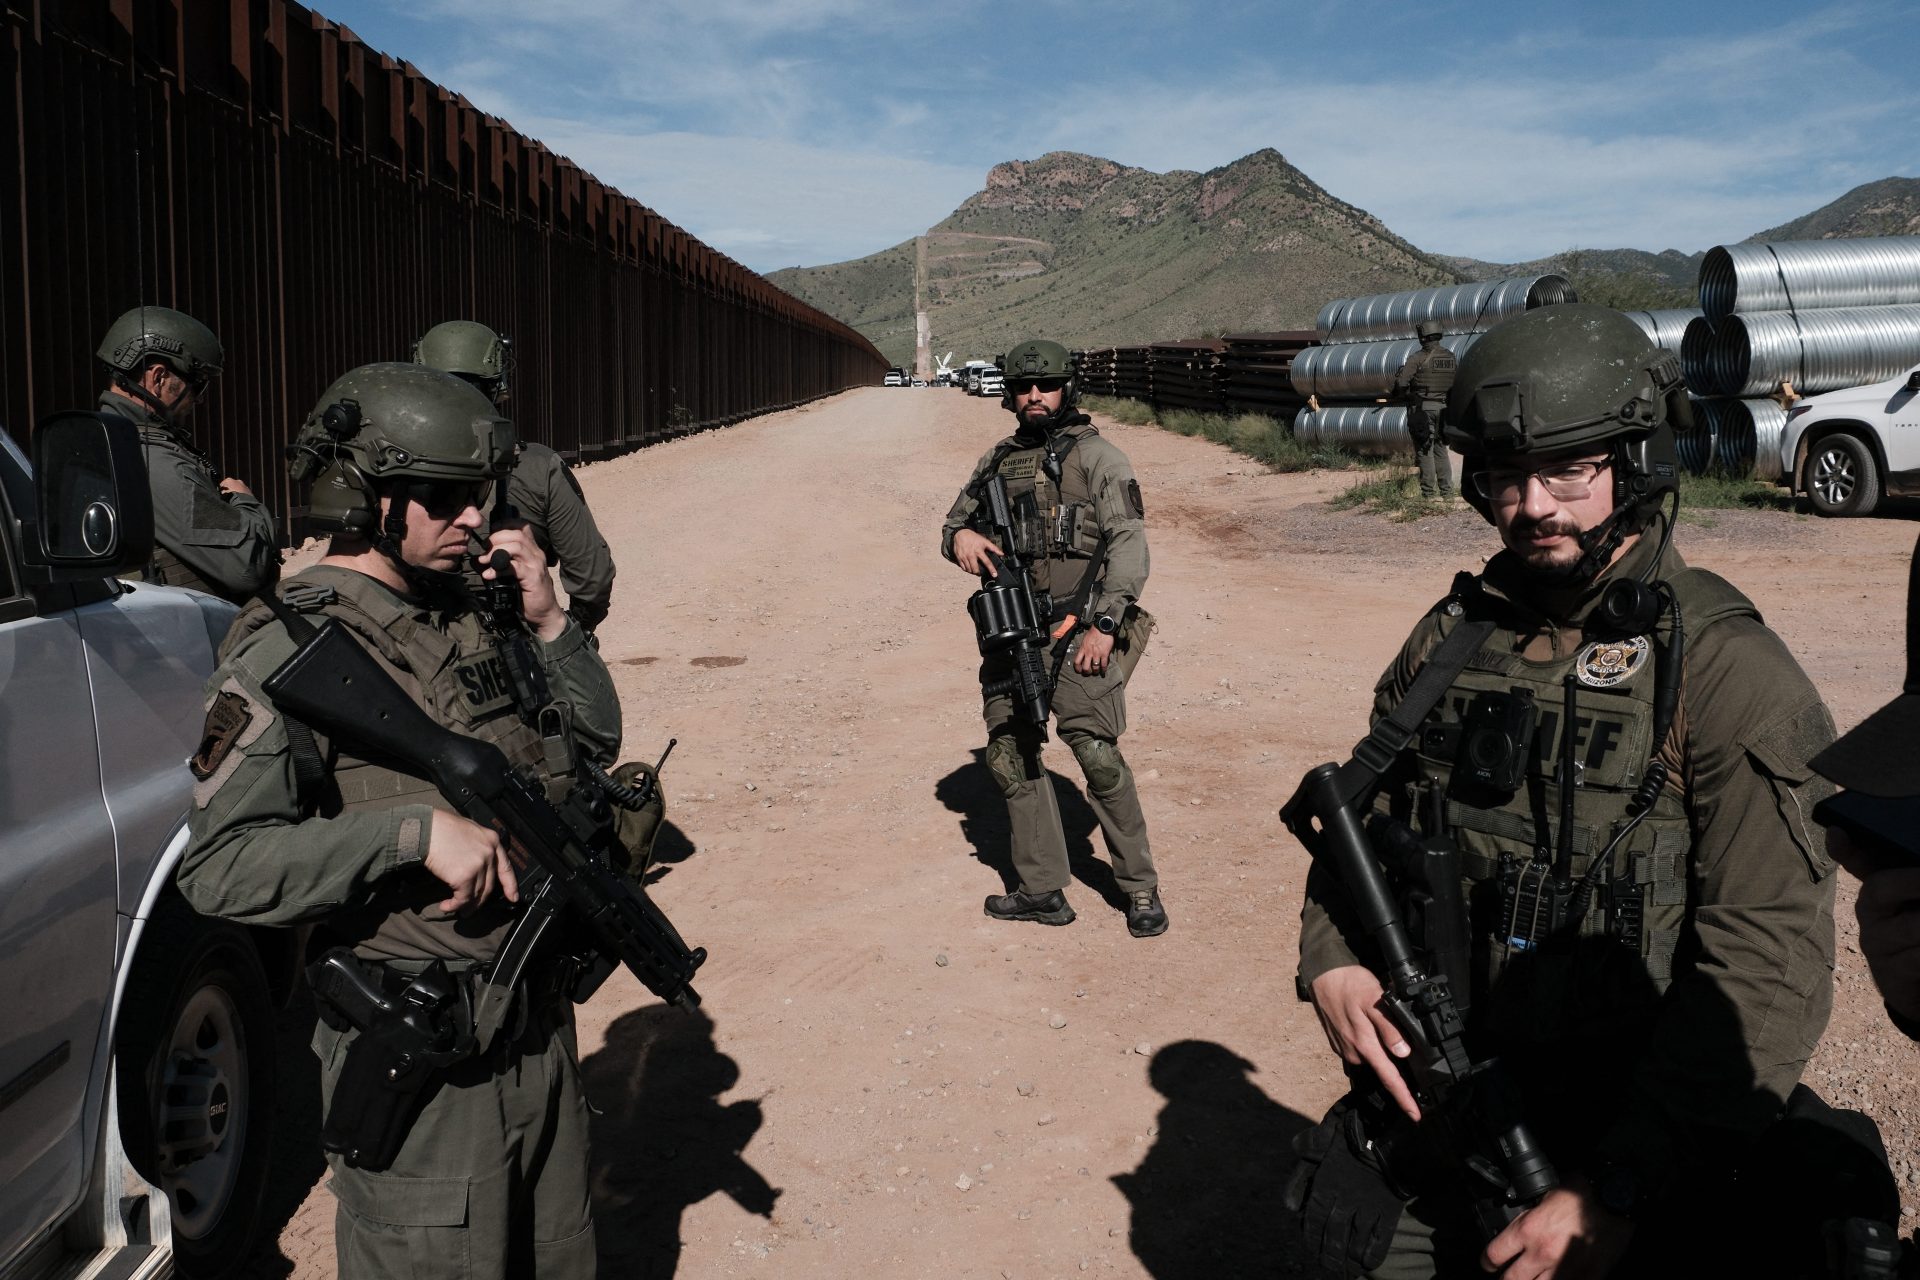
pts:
[1549, 561]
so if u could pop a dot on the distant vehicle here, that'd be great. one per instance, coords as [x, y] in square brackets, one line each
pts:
[1847, 449]
[919, 382]
[967, 376]
[992, 383]
[138, 1048]
[894, 378]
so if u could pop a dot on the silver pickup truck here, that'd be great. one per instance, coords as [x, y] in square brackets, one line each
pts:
[137, 1050]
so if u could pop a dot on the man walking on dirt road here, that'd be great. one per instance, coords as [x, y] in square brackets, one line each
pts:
[1079, 522]
[1615, 748]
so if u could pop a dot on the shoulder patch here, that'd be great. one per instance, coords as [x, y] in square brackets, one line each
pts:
[227, 719]
[1135, 503]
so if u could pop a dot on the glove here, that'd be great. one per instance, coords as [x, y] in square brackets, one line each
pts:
[1347, 1210]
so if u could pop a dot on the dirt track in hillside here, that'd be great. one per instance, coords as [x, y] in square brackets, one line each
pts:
[884, 1083]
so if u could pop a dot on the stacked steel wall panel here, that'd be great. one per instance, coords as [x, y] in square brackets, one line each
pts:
[320, 204]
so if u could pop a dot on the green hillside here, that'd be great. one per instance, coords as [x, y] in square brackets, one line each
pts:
[1889, 207]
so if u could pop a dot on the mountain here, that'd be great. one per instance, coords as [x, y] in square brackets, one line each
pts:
[1631, 279]
[1096, 253]
[1889, 207]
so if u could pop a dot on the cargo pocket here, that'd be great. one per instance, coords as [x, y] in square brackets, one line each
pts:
[1133, 642]
[402, 1226]
[1781, 752]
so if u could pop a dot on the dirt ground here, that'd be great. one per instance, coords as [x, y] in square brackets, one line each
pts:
[882, 1082]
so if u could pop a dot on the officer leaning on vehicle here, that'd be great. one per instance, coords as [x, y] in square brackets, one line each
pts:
[288, 827]
[209, 532]
[1649, 948]
[542, 490]
[1080, 521]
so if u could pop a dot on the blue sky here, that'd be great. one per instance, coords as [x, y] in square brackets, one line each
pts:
[796, 132]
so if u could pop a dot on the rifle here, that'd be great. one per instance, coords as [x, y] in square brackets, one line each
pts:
[1468, 1105]
[335, 686]
[1010, 617]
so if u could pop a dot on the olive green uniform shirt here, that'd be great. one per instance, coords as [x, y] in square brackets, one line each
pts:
[257, 856]
[1117, 510]
[1758, 950]
[227, 542]
[548, 498]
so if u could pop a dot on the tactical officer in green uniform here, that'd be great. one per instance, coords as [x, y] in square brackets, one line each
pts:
[1652, 948]
[209, 533]
[1079, 511]
[287, 827]
[1422, 384]
[543, 491]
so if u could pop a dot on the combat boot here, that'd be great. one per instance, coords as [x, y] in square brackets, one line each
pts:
[1146, 918]
[1046, 908]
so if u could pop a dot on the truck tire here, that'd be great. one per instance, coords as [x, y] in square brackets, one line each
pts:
[1842, 478]
[196, 1063]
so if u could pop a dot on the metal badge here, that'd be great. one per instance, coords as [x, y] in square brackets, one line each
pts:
[1606, 663]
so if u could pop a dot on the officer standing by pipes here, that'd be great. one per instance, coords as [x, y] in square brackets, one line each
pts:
[542, 490]
[1422, 384]
[1615, 748]
[1080, 522]
[209, 532]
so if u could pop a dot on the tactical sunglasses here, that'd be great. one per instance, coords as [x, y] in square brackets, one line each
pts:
[1020, 386]
[446, 499]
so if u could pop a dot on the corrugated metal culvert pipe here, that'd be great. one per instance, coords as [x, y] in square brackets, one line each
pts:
[1360, 370]
[1461, 308]
[1665, 329]
[1809, 275]
[1814, 350]
[1357, 428]
[1739, 438]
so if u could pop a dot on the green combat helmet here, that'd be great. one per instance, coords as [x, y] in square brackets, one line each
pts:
[389, 424]
[1427, 329]
[175, 338]
[1574, 377]
[470, 349]
[1039, 358]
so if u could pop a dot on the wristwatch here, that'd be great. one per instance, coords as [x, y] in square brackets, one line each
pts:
[1106, 624]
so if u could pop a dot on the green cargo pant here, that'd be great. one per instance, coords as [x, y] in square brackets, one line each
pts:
[1091, 714]
[1430, 451]
[491, 1183]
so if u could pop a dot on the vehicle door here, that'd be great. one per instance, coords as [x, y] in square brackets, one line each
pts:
[1902, 440]
[57, 898]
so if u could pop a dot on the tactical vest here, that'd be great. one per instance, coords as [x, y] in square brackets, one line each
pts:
[458, 677]
[1434, 377]
[1052, 524]
[1622, 956]
[165, 567]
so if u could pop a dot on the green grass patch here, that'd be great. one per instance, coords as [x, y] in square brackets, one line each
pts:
[1393, 492]
[1717, 491]
[1254, 435]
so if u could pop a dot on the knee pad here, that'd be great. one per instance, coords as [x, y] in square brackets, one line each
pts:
[1013, 761]
[1101, 762]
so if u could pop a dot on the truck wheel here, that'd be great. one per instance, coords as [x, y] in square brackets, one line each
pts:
[196, 1070]
[1842, 478]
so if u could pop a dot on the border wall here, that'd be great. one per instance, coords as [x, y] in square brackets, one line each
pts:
[320, 204]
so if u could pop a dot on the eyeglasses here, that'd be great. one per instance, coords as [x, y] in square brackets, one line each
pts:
[1563, 481]
[447, 499]
[1020, 386]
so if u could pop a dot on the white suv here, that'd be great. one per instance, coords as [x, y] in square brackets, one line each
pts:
[992, 382]
[1845, 449]
[137, 1055]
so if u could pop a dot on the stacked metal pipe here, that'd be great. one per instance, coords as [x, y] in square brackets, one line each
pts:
[1461, 308]
[1371, 429]
[1666, 328]
[1361, 370]
[1809, 275]
[1739, 438]
[1752, 354]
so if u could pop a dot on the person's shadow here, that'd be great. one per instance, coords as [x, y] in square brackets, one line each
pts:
[661, 1139]
[971, 792]
[671, 846]
[295, 1164]
[1207, 1196]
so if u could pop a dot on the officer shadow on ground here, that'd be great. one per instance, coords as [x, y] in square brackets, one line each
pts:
[297, 1165]
[671, 846]
[1207, 1197]
[661, 1138]
[971, 792]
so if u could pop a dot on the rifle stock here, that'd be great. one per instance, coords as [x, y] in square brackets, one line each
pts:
[334, 685]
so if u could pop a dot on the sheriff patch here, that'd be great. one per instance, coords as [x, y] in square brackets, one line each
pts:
[1606, 663]
[485, 684]
[227, 719]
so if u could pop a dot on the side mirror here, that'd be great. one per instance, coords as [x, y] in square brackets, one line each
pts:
[93, 508]
[1913, 380]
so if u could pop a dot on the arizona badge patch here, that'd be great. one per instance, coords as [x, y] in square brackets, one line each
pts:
[1606, 663]
[227, 719]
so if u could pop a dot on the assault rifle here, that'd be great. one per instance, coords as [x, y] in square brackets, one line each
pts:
[335, 686]
[1468, 1105]
[1010, 617]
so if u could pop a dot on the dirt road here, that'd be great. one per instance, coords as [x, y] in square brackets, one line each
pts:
[887, 1084]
